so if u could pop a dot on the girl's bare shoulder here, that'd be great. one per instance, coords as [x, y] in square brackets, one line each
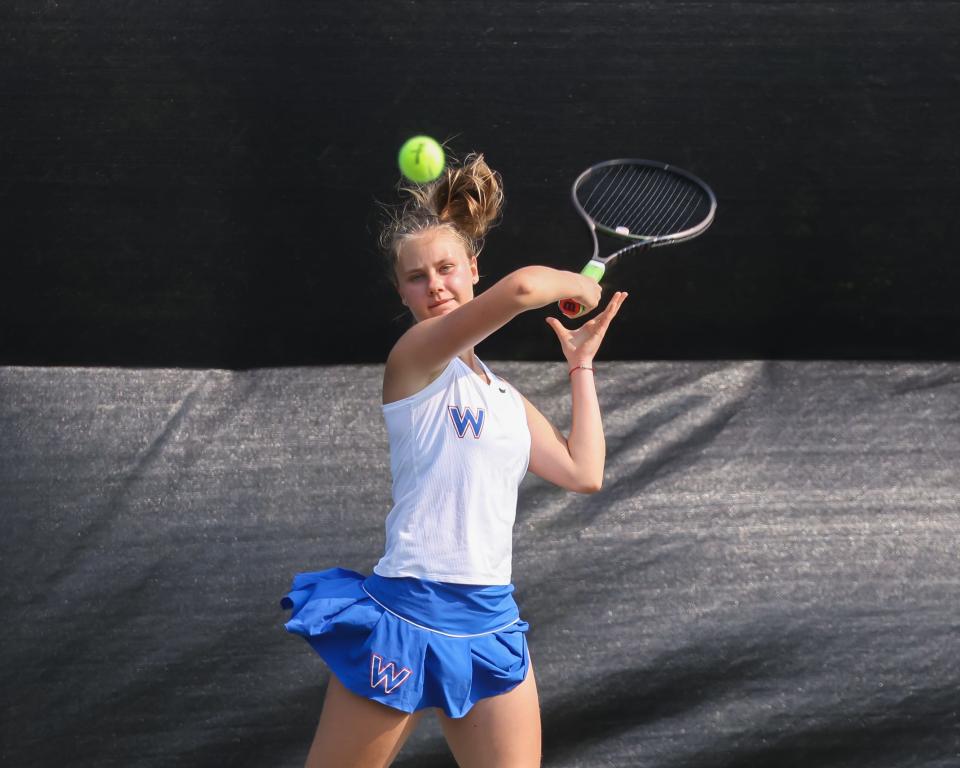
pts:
[404, 374]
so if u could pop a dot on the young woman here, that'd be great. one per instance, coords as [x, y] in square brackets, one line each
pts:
[435, 625]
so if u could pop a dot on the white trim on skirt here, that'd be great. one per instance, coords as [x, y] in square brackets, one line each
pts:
[430, 629]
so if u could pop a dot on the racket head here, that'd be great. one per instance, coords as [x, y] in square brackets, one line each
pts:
[644, 202]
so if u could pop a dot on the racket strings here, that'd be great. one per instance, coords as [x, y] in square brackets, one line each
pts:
[644, 201]
[636, 198]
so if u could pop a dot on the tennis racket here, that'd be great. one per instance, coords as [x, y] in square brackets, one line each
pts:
[639, 204]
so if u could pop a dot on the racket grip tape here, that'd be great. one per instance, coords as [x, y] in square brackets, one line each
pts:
[594, 270]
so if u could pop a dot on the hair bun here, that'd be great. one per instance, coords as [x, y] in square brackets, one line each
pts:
[470, 197]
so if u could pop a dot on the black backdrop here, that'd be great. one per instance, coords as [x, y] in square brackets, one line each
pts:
[194, 183]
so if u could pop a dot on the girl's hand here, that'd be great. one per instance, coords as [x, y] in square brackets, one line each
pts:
[581, 344]
[587, 293]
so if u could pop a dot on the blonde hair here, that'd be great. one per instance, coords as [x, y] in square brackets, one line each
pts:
[467, 200]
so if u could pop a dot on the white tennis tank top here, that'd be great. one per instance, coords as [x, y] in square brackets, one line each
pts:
[458, 450]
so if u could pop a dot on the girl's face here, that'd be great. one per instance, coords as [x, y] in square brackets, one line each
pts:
[434, 274]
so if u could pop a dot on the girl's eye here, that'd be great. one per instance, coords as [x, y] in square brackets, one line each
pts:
[446, 267]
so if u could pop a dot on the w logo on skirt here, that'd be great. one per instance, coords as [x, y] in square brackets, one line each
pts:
[386, 675]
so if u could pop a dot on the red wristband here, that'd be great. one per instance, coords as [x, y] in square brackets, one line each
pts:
[578, 367]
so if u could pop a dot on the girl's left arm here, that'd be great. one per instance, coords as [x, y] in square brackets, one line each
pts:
[574, 462]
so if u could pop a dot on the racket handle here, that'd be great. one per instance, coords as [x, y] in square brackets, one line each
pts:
[594, 270]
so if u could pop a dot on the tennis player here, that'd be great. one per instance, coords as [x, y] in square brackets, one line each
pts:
[435, 625]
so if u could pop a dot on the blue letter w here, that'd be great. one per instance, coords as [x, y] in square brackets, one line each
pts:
[461, 420]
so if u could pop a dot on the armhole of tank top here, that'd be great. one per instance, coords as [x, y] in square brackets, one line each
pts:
[518, 401]
[515, 394]
[422, 394]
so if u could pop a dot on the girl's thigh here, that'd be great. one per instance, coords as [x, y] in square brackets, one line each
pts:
[499, 732]
[354, 731]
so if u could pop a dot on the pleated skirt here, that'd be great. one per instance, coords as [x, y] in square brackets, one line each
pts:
[410, 643]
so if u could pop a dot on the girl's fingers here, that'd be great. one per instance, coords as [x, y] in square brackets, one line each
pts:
[615, 303]
[613, 306]
[609, 312]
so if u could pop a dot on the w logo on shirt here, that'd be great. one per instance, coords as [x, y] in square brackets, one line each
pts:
[386, 675]
[465, 418]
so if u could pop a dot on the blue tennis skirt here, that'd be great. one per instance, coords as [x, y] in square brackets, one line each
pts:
[410, 643]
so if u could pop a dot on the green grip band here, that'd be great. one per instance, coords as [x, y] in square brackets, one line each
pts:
[594, 270]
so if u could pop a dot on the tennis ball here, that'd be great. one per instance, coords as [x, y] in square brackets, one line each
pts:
[421, 159]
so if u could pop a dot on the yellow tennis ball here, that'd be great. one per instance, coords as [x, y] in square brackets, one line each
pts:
[421, 159]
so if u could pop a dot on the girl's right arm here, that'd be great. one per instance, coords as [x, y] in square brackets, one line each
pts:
[429, 345]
